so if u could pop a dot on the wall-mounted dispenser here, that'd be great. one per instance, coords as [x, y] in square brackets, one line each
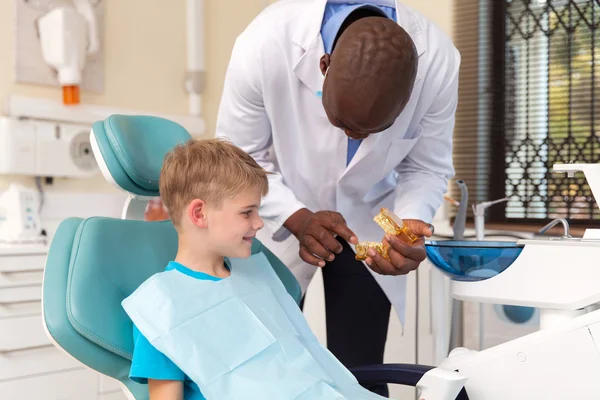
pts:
[67, 35]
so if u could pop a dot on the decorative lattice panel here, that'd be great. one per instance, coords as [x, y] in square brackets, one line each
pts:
[551, 107]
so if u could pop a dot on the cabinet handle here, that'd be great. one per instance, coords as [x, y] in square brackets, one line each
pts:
[26, 301]
[18, 349]
[18, 271]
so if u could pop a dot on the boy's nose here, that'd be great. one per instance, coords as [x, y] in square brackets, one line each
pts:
[259, 224]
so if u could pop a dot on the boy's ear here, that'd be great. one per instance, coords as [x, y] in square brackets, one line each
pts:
[197, 213]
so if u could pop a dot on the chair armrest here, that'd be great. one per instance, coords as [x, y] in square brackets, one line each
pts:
[400, 374]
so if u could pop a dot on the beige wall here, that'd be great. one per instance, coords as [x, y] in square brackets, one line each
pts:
[145, 54]
[145, 60]
[439, 11]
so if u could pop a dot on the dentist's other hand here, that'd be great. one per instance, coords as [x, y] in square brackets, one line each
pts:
[316, 234]
[405, 257]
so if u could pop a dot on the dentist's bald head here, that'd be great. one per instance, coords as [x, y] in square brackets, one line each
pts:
[370, 75]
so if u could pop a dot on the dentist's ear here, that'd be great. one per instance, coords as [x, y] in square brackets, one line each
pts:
[197, 213]
[324, 63]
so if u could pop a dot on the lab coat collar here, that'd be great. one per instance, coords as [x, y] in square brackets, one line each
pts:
[308, 34]
[308, 37]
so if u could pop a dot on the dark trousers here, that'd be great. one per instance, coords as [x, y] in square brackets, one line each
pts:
[357, 313]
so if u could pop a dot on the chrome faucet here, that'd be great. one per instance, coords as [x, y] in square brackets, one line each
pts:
[553, 223]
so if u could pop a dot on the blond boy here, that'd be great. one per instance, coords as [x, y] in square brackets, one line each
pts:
[212, 190]
[218, 312]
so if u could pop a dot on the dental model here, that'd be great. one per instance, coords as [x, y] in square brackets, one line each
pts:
[362, 248]
[392, 225]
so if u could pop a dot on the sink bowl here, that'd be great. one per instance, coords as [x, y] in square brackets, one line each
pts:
[470, 261]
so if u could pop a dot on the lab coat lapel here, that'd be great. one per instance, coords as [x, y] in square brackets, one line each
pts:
[365, 148]
[308, 37]
[307, 69]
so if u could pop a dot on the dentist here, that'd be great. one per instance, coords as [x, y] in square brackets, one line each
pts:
[351, 107]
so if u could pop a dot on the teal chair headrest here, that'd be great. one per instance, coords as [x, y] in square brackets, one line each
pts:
[132, 147]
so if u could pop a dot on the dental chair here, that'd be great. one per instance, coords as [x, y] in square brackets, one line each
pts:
[94, 263]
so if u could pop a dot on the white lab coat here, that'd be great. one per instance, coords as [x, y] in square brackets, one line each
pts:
[270, 108]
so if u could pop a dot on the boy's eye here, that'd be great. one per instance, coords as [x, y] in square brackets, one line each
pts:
[247, 213]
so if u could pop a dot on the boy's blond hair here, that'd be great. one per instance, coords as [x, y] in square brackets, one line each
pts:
[209, 169]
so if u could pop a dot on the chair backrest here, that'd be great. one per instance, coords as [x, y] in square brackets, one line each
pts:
[92, 265]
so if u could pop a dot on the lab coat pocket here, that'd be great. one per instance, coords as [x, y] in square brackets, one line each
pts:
[397, 152]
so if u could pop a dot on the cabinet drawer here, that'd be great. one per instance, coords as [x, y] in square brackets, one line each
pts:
[108, 384]
[22, 333]
[24, 294]
[19, 279]
[80, 384]
[10, 310]
[16, 364]
[20, 263]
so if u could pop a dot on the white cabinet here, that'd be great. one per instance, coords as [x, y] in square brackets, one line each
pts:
[110, 389]
[21, 333]
[119, 395]
[71, 385]
[30, 366]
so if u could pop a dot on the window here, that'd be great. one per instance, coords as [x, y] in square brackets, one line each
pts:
[535, 102]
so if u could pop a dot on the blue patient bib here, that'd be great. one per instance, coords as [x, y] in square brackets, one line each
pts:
[242, 337]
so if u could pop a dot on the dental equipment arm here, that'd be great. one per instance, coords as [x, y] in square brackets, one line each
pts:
[590, 171]
[431, 383]
[592, 176]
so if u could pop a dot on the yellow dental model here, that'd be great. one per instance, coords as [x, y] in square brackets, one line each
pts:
[361, 249]
[392, 225]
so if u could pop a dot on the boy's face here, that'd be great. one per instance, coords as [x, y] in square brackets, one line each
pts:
[232, 227]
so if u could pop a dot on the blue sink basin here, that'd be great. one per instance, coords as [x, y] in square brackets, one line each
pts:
[470, 261]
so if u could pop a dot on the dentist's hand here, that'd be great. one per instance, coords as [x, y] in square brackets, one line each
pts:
[316, 233]
[405, 257]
